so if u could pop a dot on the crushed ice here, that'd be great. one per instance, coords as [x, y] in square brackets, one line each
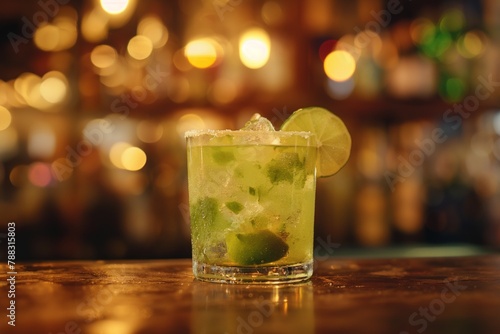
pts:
[258, 123]
[262, 124]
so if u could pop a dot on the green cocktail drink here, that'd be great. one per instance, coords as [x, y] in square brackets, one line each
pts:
[251, 196]
[251, 199]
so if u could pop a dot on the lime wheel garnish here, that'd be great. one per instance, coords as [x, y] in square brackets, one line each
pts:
[333, 138]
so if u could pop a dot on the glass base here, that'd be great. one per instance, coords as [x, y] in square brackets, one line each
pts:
[253, 274]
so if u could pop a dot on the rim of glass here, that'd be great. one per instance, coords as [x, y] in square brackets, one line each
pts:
[220, 133]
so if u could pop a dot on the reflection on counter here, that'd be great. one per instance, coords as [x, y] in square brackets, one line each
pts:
[226, 308]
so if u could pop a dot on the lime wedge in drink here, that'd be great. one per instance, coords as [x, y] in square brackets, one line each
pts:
[256, 247]
[333, 138]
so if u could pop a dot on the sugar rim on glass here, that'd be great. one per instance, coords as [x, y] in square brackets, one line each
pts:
[220, 133]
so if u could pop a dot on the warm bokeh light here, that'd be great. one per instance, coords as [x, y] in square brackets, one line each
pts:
[140, 47]
[103, 56]
[5, 118]
[255, 48]
[35, 99]
[133, 158]
[41, 142]
[110, 326]
[471, 44]
[40, 174]
[59, 35]
[114, 6]
[114, 76]
[54, 87]
[46, 37]
[190, 121]
[116, 152]
[347, 43]
[272, 13]
[201, 53]
[18, 175]
[149, 131]
[154, 29]
[94, 26]
[277, 76]
[423, 73]
[25, 84]
[339, 65]
[68, 33]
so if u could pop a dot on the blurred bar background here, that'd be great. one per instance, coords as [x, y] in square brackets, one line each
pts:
[95, 97]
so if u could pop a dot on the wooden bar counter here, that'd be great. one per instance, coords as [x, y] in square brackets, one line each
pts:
[404, 295]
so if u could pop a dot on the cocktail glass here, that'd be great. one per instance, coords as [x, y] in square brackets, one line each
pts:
[251, 199]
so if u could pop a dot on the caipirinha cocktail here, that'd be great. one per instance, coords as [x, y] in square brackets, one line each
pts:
[251, 198]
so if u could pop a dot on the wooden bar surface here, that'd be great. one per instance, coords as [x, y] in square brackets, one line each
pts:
[416, 295]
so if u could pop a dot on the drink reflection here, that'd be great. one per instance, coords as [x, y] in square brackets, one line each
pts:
[244, 309]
